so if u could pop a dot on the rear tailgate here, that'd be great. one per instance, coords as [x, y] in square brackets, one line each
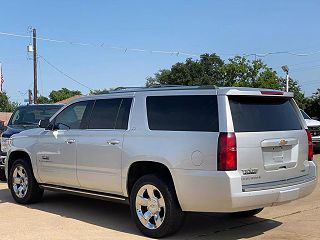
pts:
[272, 144]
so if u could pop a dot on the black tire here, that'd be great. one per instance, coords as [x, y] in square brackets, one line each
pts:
[33, 193]
[248, 213]
[173, 217]
[2, 175]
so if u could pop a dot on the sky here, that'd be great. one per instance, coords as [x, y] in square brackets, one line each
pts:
[223, 27]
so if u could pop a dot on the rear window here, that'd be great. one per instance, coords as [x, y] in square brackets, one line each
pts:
[259, 114]
[183, 113]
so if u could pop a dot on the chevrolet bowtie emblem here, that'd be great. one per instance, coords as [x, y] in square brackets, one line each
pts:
[283, 142]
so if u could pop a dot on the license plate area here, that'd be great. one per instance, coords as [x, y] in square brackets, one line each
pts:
[277, 157]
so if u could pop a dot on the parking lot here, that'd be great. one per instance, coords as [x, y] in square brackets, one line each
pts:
[61, 216]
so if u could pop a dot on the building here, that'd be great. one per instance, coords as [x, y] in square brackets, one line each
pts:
[5, 116]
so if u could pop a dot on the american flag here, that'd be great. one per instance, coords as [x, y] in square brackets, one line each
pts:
[1, 77]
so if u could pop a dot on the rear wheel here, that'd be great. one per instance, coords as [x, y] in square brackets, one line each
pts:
[2, 175]
[154, 207]
[248, 213]
[23, 186]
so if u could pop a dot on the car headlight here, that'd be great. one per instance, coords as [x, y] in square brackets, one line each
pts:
[5, 144]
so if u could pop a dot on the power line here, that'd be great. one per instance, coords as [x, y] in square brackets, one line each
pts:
[63, 73]
[174, 53]
[303, 63]
[102, 45]
[306, 68]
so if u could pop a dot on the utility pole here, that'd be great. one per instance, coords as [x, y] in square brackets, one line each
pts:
[285, 68]
[35, 85]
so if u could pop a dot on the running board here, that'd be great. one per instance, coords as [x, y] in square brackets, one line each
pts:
[85, 193]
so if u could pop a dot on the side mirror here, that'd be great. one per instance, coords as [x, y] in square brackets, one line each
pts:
[44, 123]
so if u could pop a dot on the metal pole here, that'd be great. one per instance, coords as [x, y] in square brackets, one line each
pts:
[35, 87]
[287, 82]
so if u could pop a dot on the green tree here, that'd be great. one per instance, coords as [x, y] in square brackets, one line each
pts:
[241, 72]
[313, 104]
[104, 90]
[100, 91]
[5, 104]
[210, 69]
[63, 93]
[43, 100]
[299, 96]
[205, 71]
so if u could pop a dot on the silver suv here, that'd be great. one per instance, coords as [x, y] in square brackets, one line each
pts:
[170, 150]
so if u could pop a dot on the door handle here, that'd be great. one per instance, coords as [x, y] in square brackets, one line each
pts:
[70, 141]
[44, 158]
[113, 142]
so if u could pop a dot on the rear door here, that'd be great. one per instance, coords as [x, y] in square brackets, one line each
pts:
[271, 139]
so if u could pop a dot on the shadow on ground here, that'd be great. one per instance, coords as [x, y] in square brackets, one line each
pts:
[117, 217]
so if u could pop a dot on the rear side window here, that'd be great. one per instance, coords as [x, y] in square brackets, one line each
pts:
[123, 115]
[259, 114]
[104, 114]
[110, 114]
[183, 113]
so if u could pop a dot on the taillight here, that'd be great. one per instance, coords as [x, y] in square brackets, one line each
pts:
[310, 147]
[227, 152]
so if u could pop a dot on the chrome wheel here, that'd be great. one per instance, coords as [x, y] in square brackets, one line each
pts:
[20, 181]
[150, 206]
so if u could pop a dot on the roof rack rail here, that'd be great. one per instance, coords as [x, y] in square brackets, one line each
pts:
[160, 87]
[207, 86]
[165, 85]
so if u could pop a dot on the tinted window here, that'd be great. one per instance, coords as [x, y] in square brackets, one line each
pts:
[104, 114]
[258, 114]
[123, 116]
[183, 113]
[31, 115]
[71, 117]
[305, 116]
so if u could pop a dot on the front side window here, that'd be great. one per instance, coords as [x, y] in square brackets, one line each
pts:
[183, 113]
[71, 117]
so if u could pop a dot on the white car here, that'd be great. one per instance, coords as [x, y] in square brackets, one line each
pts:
[314, 127]
[170, 150]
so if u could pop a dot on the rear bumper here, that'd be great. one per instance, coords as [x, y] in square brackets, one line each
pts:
[208, 191]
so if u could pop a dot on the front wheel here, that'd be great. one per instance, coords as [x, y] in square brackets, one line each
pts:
[154, 207]
[22, 184]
